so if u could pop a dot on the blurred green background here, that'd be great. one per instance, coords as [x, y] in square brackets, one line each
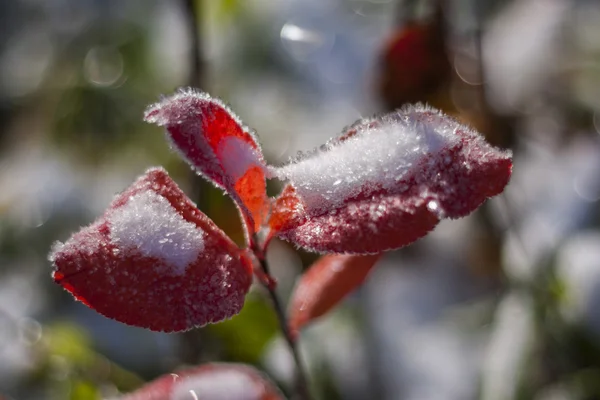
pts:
[504, 304]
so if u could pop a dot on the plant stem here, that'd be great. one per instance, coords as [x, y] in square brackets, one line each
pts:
[192, 342]
[301, 383]
[192, 11]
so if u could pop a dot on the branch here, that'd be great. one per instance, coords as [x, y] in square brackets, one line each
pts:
[192, 10]
[195, 80]
[192, 340]
[301, 382]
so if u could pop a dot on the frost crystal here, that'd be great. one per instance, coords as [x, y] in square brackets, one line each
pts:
[377, 156]
[149, 224]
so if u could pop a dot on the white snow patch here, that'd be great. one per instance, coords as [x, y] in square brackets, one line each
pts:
[149, 224]
[380, 156]
[217, 385]
[237, 156]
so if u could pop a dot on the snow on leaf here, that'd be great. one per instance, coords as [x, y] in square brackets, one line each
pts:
[154, 260]
[326, 283]
[216, 381]
[212, 139]
[387, 181]
[149, 224]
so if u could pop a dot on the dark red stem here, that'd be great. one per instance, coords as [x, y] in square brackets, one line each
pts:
[269, 282]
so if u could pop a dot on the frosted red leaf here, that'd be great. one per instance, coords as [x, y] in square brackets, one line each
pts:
[155, 261]
[212, 139]
[386, 182]
[326, 283]
[217, 381]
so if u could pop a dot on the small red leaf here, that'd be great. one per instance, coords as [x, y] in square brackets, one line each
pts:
[216, 381]
[288, 211]
[327, 282]
[212, 139]
[386, 182]
[154, 260]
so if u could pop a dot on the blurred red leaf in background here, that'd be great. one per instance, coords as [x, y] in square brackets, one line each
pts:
[414, 64]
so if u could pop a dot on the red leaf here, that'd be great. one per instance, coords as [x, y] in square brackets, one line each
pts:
[216, 381]
[386, 182]
[154, 260]
[327, 282]
[212, 139]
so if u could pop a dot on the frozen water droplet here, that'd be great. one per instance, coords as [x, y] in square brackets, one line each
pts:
[433, 205]
[436, 208]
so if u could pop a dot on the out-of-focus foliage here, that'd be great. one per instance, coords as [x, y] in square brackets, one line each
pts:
[501, 305]
[245, 337]
[67, 366]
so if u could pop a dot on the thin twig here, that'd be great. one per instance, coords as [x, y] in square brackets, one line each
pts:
[301, 382]
[192, 340]
[195, 80]
[192, 10]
